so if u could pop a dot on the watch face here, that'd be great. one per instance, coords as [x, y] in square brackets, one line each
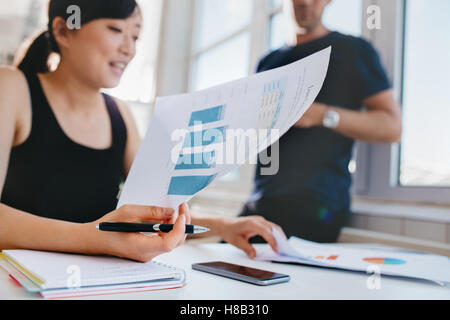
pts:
[331, 119]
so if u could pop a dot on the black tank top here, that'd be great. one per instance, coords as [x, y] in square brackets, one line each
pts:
[51, 176]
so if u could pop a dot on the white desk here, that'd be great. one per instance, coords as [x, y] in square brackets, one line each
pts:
[306, 282]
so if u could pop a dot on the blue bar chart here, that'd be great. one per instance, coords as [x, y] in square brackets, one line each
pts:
[205, 137]
[191, 161]
[188, 185]
[207, 115]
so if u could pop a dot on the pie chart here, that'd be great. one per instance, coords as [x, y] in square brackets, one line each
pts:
[384, 261]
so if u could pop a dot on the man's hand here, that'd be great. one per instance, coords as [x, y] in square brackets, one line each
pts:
[313, 117]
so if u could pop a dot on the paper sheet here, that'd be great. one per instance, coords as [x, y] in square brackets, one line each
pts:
[196, 138]
[388, 262]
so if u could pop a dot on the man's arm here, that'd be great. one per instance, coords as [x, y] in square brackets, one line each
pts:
[380, 122]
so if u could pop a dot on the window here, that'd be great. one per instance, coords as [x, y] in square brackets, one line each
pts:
[425, 151]
[234, 57]
[344, 16]
[222, 33]
[415, 54]
[21, 19]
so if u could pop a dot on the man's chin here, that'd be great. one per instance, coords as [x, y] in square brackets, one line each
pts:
[307, 26]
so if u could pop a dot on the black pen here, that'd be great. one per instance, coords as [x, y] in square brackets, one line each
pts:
[146, 227]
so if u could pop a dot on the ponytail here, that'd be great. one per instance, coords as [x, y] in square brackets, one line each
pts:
[35, 60]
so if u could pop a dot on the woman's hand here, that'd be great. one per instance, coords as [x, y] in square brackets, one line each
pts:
[237, 231]
[135, 245]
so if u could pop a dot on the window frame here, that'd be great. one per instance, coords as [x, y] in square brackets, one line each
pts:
[378, 165]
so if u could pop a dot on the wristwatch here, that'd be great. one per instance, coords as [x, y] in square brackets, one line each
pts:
[331, 119]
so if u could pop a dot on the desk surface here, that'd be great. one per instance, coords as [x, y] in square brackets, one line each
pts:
[306, 282]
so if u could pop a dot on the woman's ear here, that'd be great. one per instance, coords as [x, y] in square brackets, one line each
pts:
[60, 32]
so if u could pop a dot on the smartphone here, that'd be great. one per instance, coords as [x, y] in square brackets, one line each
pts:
[242, 273]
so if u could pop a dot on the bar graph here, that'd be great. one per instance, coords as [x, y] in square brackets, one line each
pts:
[191, 161]
[205, 137]
[188, 185]
[207, 115]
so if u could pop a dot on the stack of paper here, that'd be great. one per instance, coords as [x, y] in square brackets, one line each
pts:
[398, 263]
[63, 275]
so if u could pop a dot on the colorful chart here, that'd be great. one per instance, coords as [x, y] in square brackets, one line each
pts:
[332, 257]
[384, 261]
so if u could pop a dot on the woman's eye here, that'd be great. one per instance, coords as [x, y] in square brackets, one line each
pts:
[115, 29]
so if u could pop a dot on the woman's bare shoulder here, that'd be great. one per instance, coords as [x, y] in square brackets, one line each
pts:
[125, 112]
[12, 82]
[11, 72]
[14, 97]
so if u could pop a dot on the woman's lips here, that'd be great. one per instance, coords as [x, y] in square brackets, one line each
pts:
[118, 68]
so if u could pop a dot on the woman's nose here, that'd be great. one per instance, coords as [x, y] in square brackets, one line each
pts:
[128, 46]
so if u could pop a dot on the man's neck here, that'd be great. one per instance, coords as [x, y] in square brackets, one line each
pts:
[303, 36]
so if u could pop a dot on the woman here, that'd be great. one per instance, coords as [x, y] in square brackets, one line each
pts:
[65, 147]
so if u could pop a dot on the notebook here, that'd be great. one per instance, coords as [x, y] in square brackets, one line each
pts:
[55, 274]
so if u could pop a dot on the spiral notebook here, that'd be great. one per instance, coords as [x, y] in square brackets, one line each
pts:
[63, 274]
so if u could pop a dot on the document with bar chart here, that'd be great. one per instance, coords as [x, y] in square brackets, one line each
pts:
[196, 138]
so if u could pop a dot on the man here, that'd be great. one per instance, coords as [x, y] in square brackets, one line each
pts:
[309, 196]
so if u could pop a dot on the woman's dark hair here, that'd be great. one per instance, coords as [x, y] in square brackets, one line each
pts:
[36, 58]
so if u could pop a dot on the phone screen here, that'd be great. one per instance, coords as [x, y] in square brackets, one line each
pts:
[242, 270]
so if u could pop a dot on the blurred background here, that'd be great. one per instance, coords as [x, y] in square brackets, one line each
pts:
[401, 192]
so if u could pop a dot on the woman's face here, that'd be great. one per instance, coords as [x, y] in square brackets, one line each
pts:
[102, 49]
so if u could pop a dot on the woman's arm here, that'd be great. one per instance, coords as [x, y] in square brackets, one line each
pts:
[19, 229]
[10, 82]
[22, 230]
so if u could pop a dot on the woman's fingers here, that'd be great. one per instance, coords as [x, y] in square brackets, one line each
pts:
[264, 229]
[244, 245]
[143, 213]
[177, 235]
[163, 242]
[184, 209]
